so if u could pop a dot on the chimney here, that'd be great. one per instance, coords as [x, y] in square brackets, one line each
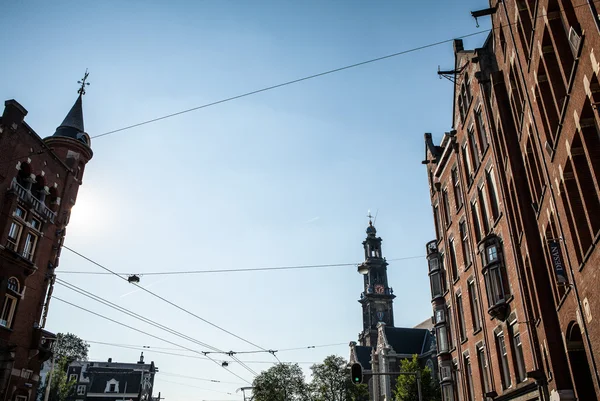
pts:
[109, 360]
[458, 46]
[14, 114]
[141, 358]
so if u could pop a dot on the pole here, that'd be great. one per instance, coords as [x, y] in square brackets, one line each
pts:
[419, 386]
[51, 373]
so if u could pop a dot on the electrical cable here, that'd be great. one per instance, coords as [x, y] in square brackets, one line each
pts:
[137, 316]
[143, 332]
[165, 300]
[236, 270]
[144, 319]
[328, 72]
[288, 83]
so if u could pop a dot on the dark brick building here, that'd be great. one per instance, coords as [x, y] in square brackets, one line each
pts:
[112, 381]
[39, 180]
[515, 191]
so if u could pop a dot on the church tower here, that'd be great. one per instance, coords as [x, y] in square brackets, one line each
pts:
[377, 297]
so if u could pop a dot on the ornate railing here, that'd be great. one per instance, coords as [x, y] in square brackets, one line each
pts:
[27, 196]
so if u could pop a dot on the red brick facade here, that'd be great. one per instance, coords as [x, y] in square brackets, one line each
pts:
[515, 190]
[39, 180]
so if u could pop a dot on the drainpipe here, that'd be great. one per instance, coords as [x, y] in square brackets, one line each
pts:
[554, 204]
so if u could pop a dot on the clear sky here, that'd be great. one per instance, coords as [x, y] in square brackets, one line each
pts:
[276, 179]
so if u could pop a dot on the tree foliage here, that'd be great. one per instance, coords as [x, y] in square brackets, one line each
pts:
[406, 385]
[331, 382]
[60, 388]
[71, 348]
[282, 382]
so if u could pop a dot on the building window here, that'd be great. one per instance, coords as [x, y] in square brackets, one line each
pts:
[73, 377]
[112, 388]
[21, 398]
[476, 224]
[461, 317]
[483, 142]
[519, 359]
[469, 378]
[467, 161]
[447, 392]
[466, 247]
[81, 390]
[494, 273]
[29, 247]
[503, 361]
[442, 324]
[436, 218]
[458, 198]
[493, 192]
[473, 148]
[436, 273]
[20, 213]
[14, 235]
[447, 215]
[11, 299]
[484, 374]
[453, 264]
[483, 206]
[474, 301]
[36, 224]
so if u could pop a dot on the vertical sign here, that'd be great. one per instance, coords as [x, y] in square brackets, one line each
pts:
[557, 261]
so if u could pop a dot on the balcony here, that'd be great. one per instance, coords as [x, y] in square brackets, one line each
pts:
[42, 340]
[26, 195]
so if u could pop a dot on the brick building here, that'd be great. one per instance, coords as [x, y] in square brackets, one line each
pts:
[39, 180]
[515, 191]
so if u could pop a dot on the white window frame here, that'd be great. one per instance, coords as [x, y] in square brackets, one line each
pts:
[8, 310]
[81, 389]
[12, 241]
[29, 248]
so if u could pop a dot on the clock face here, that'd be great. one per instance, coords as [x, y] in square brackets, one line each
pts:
[379, 289]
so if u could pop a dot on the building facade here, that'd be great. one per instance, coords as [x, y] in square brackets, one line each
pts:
[39, 181]
[112, 381]
[381, 346]
[515, 191]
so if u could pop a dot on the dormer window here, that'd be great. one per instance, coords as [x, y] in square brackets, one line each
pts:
[112, 386]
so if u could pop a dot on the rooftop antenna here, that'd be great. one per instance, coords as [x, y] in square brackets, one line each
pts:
[370, 216]
[375, 219]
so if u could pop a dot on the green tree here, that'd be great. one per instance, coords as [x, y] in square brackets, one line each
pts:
[71, 348]
[331, 382]
[282, 382]
[406, 385]
[61, 387]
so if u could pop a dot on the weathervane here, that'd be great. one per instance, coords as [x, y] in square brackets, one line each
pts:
[81, 90]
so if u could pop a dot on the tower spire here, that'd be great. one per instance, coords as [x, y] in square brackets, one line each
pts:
[72, 126]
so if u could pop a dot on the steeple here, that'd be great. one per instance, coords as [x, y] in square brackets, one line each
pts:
[72, 125]
[377, 297]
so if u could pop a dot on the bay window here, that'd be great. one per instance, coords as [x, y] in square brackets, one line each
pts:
[494, 272]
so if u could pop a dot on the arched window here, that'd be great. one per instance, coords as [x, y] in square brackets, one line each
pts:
[11, 299]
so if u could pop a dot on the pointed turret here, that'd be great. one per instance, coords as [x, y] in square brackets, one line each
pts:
[72, 125]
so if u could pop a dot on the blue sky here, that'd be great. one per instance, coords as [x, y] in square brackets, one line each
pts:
[280, 178]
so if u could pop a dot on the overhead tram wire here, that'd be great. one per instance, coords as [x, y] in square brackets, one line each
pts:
[148, 334]
[152, 348]
[299, 267]
[328, 72]
[145, 320]
[140, 348]
[165, 300]
[137, 316]
[268, 88]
